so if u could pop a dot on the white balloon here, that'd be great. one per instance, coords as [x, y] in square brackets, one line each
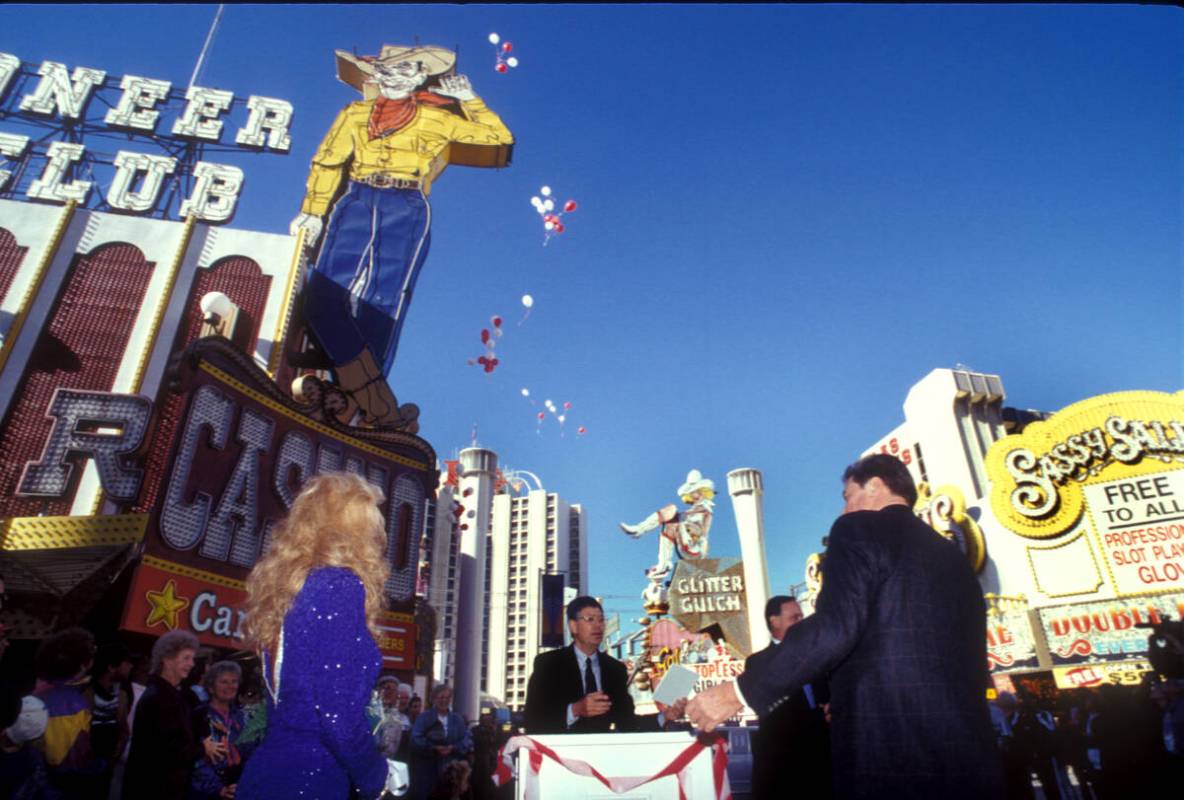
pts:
[562, 417]
[494, 38]
[526, 392]
[527, 300]
[549, 225]
[549, 205]
[536, 201]
[545, 191]
[513, 62]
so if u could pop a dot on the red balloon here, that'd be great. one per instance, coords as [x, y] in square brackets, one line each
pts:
[569, 206]
[484, 336]
[489, 367]
[507, 47]
[497, 322]
[467, 492]
[542, 416]
[566, 406]
[581, 430]
[559, 227]
[502, 68]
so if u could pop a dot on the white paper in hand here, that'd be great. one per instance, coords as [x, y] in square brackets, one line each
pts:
[676, 684]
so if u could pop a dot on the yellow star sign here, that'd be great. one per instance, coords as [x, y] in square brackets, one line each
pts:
[165, 605]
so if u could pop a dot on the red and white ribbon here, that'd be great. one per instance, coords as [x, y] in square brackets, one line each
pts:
[536, 752]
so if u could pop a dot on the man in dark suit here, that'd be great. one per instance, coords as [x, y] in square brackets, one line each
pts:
[791, 748]
[578, 689]
[900, 628]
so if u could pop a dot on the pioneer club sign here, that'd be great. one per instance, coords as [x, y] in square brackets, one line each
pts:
[176, 124]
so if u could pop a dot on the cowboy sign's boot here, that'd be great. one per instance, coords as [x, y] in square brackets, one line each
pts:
[369, 393]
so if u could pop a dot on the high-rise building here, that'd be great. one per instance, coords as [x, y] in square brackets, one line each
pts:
[530, 533]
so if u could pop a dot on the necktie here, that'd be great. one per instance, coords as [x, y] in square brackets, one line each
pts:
[589, 678]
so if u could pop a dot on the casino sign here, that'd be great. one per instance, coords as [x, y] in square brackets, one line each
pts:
[233, 459]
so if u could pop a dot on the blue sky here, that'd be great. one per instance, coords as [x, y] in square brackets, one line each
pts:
[788, 216]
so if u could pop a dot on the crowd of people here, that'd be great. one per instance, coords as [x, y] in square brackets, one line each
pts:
[101, 723]
[197, 725]
[308, 713]
[1108, 743]
[105, 724]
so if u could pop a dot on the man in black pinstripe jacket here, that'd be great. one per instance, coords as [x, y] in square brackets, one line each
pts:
[900, 627]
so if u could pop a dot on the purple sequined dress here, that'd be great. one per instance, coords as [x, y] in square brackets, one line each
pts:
[318, 742]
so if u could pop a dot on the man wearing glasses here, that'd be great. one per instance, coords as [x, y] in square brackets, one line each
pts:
[578, 689]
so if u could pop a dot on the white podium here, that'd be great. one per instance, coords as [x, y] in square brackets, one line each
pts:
[620, 766]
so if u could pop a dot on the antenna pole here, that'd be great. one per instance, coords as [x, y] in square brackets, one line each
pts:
[205, 49]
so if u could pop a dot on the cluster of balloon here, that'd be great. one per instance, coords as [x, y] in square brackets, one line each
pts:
[550, 406]
[489, 361]
[501, 51]
[544, 204]
[528, 304]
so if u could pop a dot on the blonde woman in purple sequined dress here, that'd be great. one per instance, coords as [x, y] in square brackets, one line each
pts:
[313, 602]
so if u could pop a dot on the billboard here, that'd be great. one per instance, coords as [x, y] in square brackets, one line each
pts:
[1011, 645]
[708, 595]
[61, 122]
[1104, 477]
[1106, 630]
[206, 474]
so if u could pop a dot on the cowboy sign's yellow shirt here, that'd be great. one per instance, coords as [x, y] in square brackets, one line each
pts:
[420, 151]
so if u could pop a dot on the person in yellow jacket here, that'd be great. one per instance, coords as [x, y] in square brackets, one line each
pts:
[372, 175]
[62, 664]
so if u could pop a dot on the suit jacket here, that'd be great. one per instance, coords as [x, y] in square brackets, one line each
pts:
[556, 682]
[900, 628]
[791, 748]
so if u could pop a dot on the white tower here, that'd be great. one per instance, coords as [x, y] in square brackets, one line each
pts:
[746, 487]
[478, 469]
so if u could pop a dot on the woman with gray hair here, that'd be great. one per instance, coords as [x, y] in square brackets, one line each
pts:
[218, 777]
[164, 745]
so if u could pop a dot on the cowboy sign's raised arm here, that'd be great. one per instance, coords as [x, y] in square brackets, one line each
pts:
[457, 86]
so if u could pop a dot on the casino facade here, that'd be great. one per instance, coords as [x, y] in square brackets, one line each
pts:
[150, 441]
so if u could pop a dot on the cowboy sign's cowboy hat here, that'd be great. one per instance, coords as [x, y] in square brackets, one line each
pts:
[695, 483]
[358, 70]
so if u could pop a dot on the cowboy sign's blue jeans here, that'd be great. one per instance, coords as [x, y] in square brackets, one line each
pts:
[360, 289]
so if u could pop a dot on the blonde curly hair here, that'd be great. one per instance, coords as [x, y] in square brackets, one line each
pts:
[334, 522]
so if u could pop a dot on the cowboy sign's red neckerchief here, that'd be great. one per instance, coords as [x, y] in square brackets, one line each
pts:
[390, 116]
